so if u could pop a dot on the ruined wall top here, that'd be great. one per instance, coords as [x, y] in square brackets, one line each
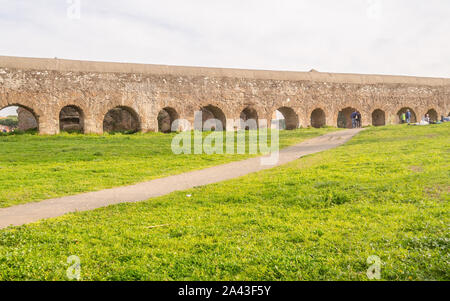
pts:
[106, 67]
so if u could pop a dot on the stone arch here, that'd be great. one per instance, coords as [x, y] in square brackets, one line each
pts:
[166, 118]
[318, 118]
[211, 112]
[404, 110]
[73, 104]
[289, 120]
[28, 119]
[433, 115]
[344, 119]
[71, 119]
[378, 117]
[249, 114]
[17, 99]
[121, 119]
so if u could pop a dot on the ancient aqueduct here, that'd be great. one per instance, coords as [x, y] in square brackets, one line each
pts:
[95, 97]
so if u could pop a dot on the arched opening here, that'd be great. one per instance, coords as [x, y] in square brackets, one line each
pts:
[404, 111]
[286, 118]
[378, 118]
[249, 116]
[433, 115]
[345, 120]
[166, 118]
[71, 119]
[318, 118]
[211, 112]
[18, 117]
[121, 119]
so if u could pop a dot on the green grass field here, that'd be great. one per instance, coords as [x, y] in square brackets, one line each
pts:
[34, 168]
[385, 193]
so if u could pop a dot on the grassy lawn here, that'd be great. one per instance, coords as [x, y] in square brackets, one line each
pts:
[34, 168]
[385, 193]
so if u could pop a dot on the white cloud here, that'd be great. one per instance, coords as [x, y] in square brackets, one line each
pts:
[355, 36]
[9, 111]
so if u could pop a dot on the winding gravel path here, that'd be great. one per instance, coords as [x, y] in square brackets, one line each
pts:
[33, 212]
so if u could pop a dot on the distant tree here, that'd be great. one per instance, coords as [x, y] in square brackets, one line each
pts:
[10, 121]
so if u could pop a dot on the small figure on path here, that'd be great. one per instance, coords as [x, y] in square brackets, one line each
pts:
[354, 117]
[403, 118]
[408, 116]
[359, 119]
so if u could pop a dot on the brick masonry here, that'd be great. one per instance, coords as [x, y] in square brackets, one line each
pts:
[46, 86]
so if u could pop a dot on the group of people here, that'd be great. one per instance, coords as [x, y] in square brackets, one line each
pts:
[356, 120]
[426, 120]
[405, 117]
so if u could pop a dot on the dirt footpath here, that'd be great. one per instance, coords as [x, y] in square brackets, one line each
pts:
[32, 212]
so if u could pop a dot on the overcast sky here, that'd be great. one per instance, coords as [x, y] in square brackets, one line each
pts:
[406, 37]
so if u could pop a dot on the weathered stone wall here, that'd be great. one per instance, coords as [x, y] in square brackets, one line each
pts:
[70, 119]
[118, 120]
[46, 86]
[27, 121]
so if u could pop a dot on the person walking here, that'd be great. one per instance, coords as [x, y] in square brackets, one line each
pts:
[354, 117]
[408, 116]
[403, 118]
